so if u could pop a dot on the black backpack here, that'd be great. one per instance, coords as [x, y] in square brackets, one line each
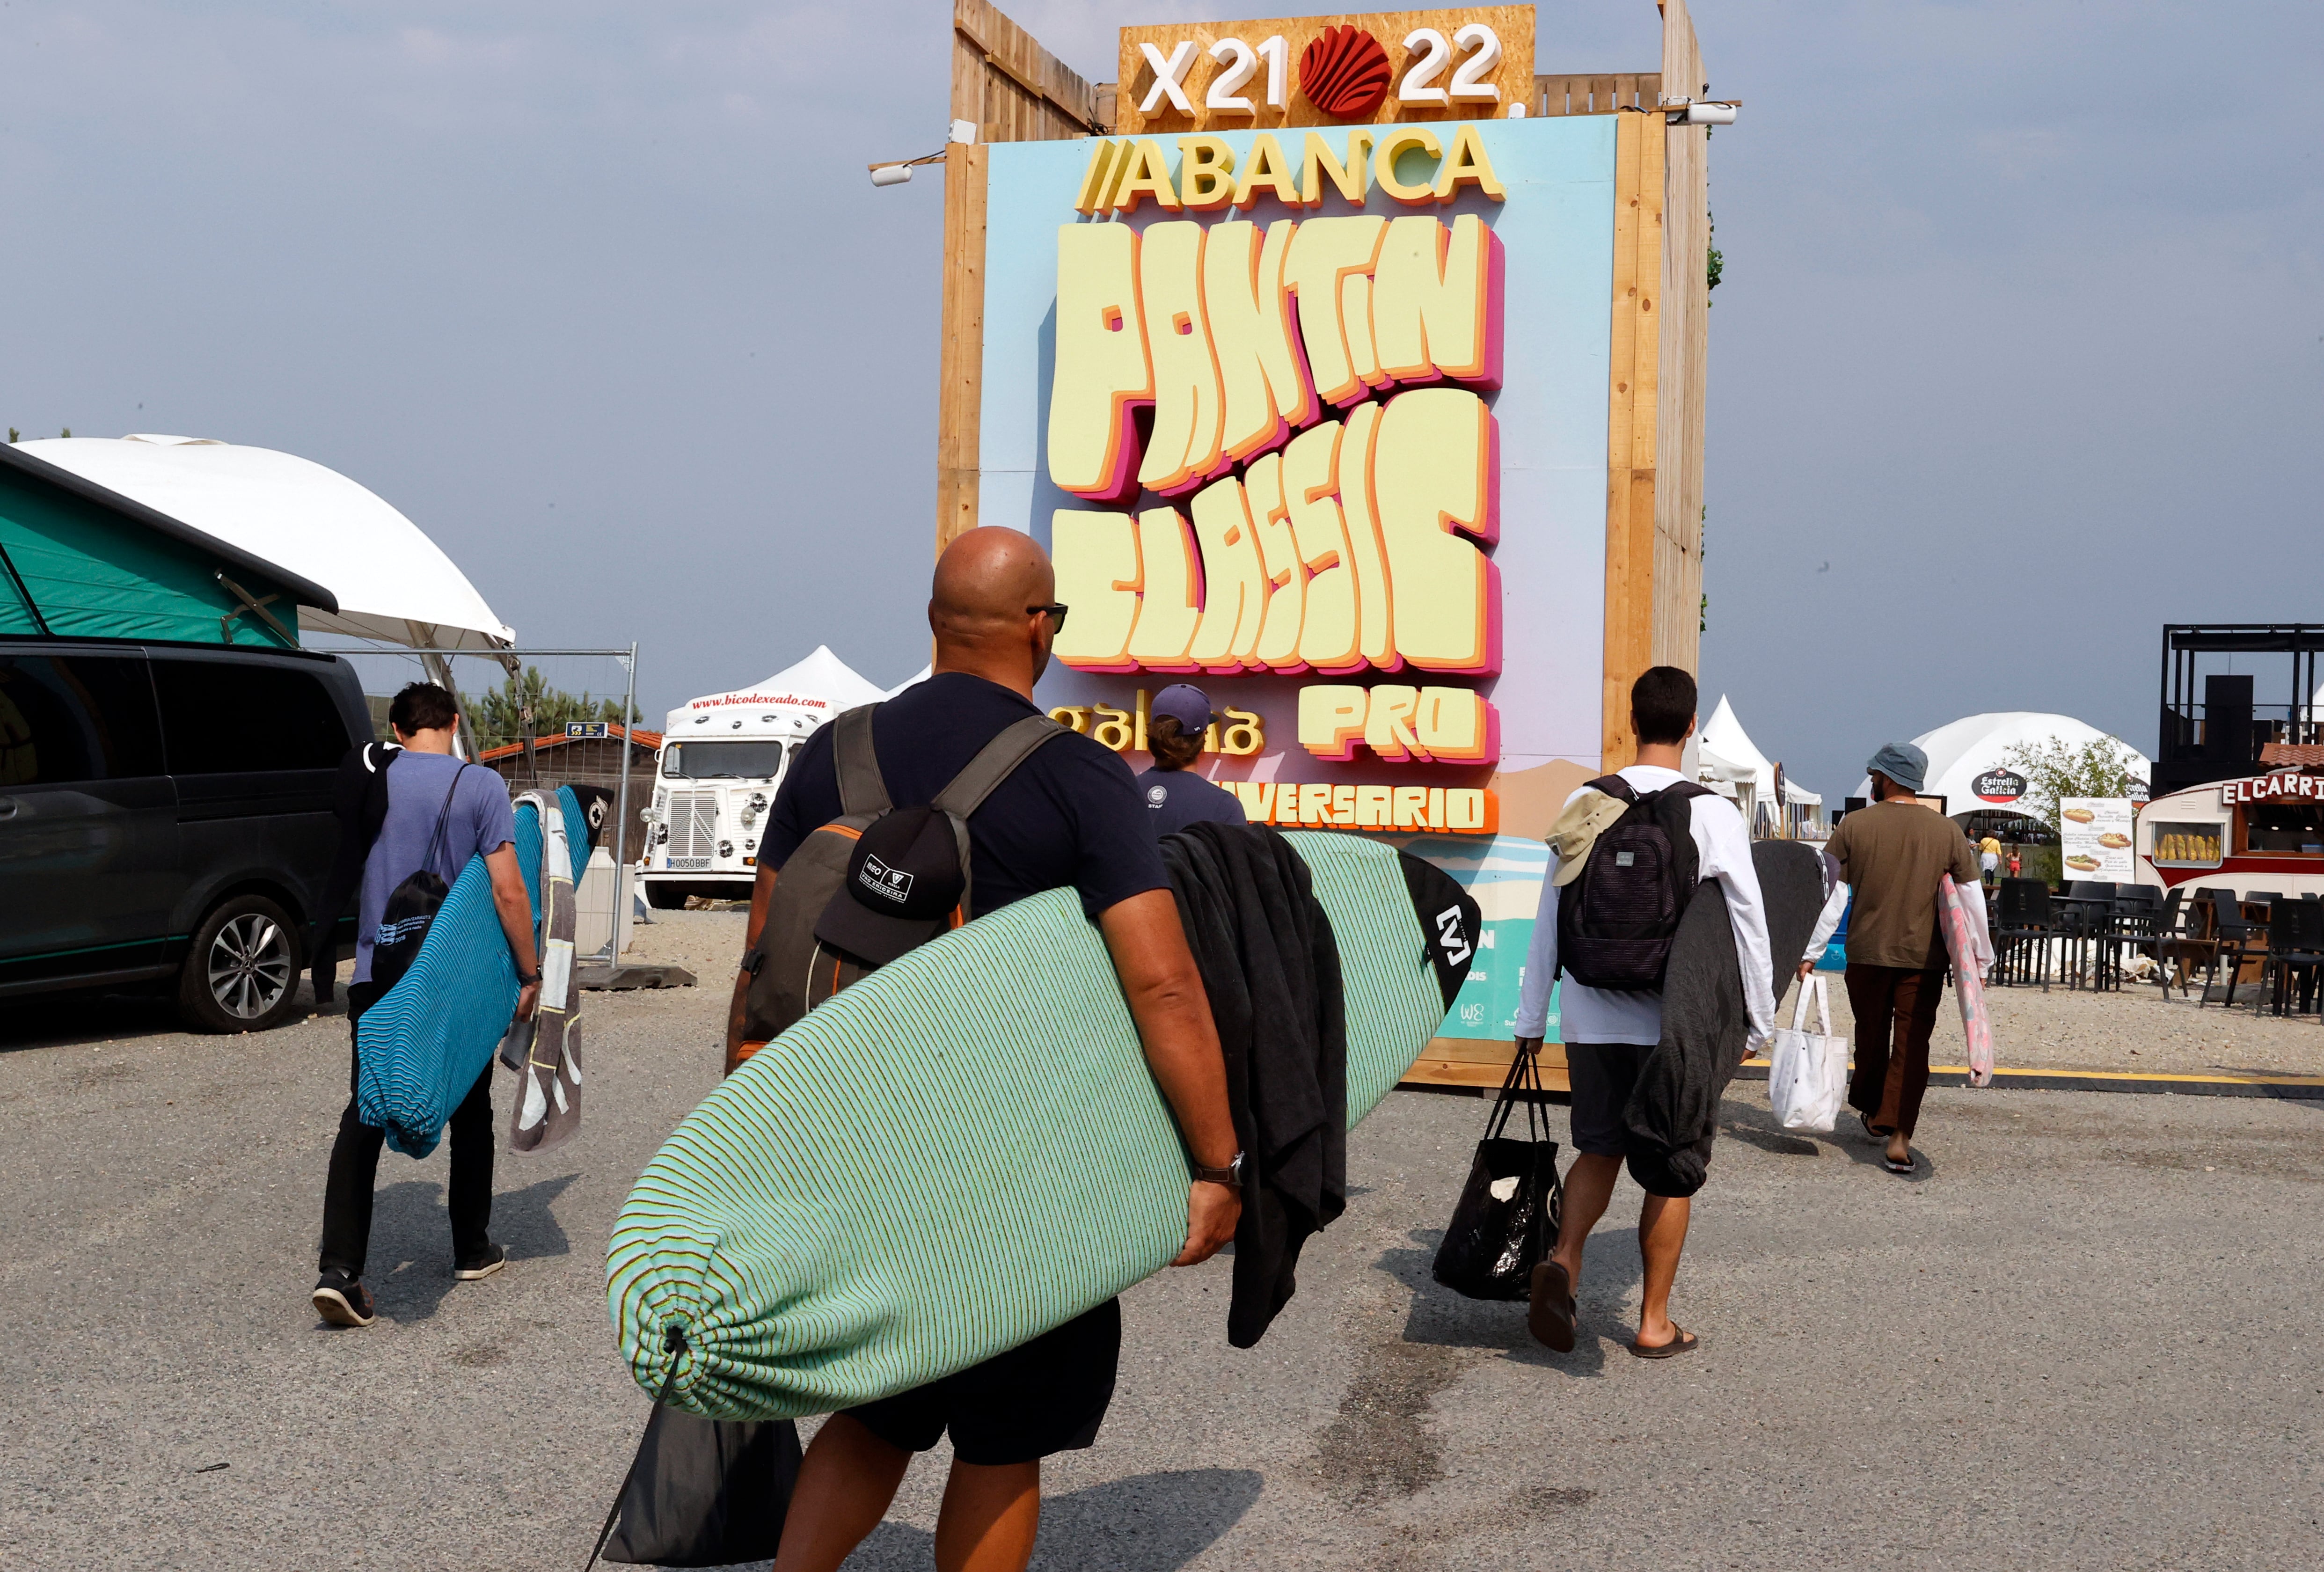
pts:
[412, 906]
[791, 969]
[1616, 922]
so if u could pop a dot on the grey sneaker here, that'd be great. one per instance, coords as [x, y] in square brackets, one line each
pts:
[343, 1300]
[495, 1257]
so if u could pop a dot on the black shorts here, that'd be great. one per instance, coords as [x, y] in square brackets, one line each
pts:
[1048, 1395]
[1601, 1076]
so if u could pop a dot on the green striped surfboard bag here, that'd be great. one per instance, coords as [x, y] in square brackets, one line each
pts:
[920, 1173]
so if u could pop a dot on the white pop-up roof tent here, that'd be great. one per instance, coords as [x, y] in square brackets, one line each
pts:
[1727, 751]
[814, 690]
[1967, 758]
[392, 583]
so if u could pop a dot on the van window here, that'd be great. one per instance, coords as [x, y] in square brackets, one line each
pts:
[65, 718]
[223, 717]
[708, 760]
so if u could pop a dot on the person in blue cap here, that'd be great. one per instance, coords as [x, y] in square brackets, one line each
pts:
[1175, 799]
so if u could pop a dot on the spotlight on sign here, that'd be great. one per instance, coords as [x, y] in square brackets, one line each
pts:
[1709, 112]
[890, 174]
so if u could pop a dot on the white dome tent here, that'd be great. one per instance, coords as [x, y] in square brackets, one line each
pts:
[1966, 764]
[393, 584]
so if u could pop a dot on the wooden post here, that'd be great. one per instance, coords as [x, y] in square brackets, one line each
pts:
[1684, 355]
[1011, 89]
[961, 370]
[1632, 426]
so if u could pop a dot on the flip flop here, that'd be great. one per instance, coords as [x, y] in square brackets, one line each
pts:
[1872, 1130]
[1893, 1166]
[1550, 1316]
[1685, 1342]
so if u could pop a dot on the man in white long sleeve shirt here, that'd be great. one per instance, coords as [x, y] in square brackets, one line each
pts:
[1609, 1034]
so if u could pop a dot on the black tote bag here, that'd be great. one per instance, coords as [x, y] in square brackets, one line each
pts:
[1508, 1215]
[702, 1493]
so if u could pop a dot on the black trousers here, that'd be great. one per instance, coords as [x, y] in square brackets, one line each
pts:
[355, 1167]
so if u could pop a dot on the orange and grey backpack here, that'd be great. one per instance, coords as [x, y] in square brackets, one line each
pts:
[792, 970]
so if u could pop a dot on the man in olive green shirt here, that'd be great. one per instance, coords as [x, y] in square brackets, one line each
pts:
[1892, 855]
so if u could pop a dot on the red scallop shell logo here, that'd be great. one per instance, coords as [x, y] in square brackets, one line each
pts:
[1344, 72]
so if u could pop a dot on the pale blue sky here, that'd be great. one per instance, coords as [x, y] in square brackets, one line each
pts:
[2021, 328]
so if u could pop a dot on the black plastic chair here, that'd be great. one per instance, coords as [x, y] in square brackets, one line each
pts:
[2080, 918]
[2134, 925]
[2184, 939]
[2237, 940]
[2295, 953]
[2022, 930]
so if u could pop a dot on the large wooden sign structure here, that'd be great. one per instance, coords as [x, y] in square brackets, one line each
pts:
[1353, 372]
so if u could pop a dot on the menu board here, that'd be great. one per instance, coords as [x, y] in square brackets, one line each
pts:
[2094, 838]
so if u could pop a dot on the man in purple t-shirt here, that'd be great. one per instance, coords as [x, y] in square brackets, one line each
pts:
[440, 813]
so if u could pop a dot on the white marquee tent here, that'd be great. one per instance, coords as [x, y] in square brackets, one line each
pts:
[1970, 753]
[813, 690]
[392, 582]
[1729, 755]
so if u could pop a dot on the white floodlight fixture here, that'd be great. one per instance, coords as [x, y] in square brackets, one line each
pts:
[1703, 112]
[896, 172]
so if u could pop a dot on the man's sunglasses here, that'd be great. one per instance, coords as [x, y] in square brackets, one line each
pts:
[1057, 614]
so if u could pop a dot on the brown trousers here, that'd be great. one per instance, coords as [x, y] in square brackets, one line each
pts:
[1895, 1010]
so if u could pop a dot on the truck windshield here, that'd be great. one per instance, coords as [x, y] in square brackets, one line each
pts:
[749, 761]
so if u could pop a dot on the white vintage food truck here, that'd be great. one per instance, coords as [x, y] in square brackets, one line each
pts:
[722, 756]
[2257, 833]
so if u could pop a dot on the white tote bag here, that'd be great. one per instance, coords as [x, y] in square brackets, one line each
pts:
[1807, 1074]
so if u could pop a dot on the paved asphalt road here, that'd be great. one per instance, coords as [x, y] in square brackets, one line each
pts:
[2089, 1336]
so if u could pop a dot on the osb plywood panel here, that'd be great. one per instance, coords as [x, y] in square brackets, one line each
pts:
[1512, 75]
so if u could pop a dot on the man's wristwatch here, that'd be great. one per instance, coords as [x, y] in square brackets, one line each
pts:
[1230, 1175]
[528, 979]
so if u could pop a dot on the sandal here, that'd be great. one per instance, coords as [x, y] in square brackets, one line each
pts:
[1685, 1342]
[1872, 1130]
[1893, 1166]
[1550, 1319]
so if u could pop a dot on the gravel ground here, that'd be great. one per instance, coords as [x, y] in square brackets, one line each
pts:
[2081, 1338]
[2137, 1029]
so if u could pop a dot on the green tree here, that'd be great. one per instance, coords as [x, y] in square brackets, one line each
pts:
[2055, 768]
[529, 707]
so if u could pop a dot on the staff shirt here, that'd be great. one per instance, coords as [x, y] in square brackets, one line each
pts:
[1175, 799]
[1723, 852]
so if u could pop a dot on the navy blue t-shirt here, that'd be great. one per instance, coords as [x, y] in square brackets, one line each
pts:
[1175, 799]
[1070, 814]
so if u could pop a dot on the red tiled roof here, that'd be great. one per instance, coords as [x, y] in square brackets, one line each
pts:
[2290, 755]
[642, 737]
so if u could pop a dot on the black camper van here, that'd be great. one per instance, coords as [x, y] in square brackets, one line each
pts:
[165, 820]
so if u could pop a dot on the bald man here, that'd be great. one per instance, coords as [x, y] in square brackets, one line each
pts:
[1070, 814]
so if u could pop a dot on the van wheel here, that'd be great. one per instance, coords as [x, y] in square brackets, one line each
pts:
[664, 896]
[242, 974]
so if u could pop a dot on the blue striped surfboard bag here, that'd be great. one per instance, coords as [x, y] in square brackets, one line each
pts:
[422, 1047]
